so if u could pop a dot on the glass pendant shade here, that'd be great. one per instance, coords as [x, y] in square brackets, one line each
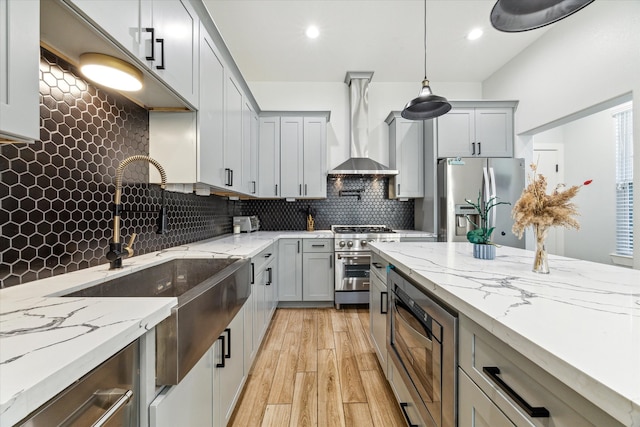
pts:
[111, 72]
[523, 15]
[426, 105]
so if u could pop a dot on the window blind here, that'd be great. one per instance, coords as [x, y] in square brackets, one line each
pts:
[624, 181]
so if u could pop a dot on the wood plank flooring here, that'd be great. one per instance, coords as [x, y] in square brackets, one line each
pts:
[317, 367]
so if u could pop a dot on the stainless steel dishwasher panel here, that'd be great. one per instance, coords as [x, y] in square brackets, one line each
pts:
[106, 396]
[198, 320]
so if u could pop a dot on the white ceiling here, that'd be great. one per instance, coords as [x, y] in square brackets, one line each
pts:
[267, 40]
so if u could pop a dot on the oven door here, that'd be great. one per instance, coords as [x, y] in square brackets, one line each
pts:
[352, 271]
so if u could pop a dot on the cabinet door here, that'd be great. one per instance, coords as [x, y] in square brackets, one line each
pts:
[291, 156]
[246, 184]
[249, 330]
[289, 270]
[260, 313]
[315, 157]
[378, 306]
[253, 157]
[494, 132]
[211, 114]
[233, 134]
[175, 47]
[126, 24]
[409, 152]
[19, 56]
[317, 276]
[230, 376]
[269, 157]
[475, 408]
[456, 132]
[189, 403]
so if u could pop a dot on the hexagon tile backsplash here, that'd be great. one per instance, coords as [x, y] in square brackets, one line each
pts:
[56, 195]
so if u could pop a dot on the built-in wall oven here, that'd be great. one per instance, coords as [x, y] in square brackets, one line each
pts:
[422, 345]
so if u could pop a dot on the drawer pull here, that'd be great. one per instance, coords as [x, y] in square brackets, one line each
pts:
[377, 264]
[533, 412]
[317, 246]
[403, 406]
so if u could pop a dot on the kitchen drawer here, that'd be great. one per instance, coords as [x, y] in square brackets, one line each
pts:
[379, 267]
[260, 261]
[480, 350]
[405, 400]
[317, 245]
[475, 408]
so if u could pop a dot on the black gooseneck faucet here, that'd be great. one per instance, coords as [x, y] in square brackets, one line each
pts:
[118, 251]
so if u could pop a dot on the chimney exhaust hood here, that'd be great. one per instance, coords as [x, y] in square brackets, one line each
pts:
[359, 162]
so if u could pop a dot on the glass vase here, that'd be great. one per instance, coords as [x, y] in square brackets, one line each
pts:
[540, 262]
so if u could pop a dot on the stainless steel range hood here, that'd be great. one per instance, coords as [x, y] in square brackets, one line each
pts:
[359, 163]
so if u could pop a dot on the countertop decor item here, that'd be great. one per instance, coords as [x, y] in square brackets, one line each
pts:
[540, 210]
[480, 236]
[426, 105]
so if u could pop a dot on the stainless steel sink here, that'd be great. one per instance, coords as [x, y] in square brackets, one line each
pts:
[210, 292]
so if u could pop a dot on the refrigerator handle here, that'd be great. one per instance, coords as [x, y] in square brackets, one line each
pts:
[486, 191]
[493, 192]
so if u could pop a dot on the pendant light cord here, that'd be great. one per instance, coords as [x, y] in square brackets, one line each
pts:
[425, 39]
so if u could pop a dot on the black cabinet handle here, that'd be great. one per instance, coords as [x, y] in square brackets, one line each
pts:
[298, 246]
[479, 149]
[305, 189]
[267, 255]
[221, 364]
[300, 189]
[231, 178]
[383, 298]
[227, 177]
[228, 354]
[270, 279]
[330, 261]
[377, 264]
[253, 273]
[317, 246]
[153, 49]
[398, 189]
[254, 187]
[403, 406]
[473, 148]
[161, 66]
[276, 189]
[533, 412]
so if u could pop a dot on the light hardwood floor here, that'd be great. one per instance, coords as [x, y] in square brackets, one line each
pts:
[317, 367]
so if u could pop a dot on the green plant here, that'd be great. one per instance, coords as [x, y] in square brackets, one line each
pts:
[482, 232]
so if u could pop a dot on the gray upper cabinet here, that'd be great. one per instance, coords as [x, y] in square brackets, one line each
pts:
[303, 152]
[476, 129]
[19, 53]
[406, 154]
[269, 157]
[162, 34]
[233, 134]
[249, 150]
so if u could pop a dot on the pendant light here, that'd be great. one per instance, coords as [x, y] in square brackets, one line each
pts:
[517, 15]
[111, 72]
[426, 105]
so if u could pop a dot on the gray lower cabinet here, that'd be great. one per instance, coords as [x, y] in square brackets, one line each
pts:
[500, 387]
[305, 270]
[229, 370]
[290, 269]
[378, 306]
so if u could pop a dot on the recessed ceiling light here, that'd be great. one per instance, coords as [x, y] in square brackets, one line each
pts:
[475, 34]
[111, 72]
[312, 32]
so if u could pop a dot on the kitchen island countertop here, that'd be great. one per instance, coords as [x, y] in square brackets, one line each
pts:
[580, 323]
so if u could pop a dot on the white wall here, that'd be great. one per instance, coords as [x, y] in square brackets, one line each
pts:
[383, 98]
[581, 61]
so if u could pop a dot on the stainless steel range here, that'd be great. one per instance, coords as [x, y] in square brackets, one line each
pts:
[353, 256]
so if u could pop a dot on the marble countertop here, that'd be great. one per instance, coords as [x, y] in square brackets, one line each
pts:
[581, 322]
[47, 342]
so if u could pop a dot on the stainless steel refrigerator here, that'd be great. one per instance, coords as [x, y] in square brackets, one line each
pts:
[464, 178]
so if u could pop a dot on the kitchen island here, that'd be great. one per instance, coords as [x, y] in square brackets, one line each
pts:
[580, 323]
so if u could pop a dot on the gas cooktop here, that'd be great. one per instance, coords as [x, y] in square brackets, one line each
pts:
[360, 229]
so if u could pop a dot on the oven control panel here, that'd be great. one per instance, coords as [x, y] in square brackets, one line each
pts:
[356, 243]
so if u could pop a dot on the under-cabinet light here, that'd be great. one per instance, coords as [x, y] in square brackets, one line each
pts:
[111, 72]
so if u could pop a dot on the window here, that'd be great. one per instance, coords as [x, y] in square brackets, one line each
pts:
[624, 179]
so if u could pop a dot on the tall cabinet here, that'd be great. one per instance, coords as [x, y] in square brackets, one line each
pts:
[406, 154]
[19, 58]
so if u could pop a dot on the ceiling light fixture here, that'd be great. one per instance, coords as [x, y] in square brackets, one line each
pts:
[475, 34]
[514, 16]
[111, 72]
[312, 32]
[426, 105]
